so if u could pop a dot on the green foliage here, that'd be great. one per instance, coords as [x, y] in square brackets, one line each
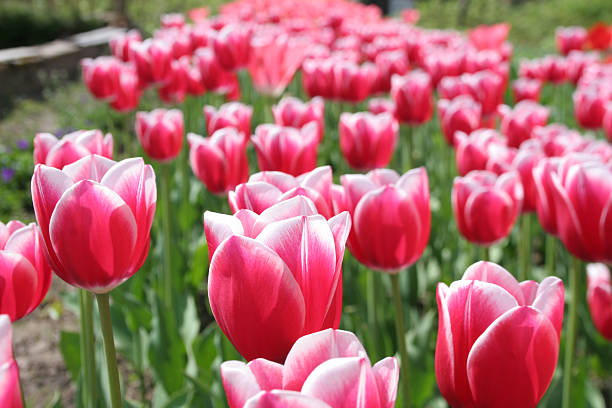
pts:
[15, 173]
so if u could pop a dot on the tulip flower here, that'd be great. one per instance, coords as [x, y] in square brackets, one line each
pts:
[129, 90]
[442, 63]
[389, 63]
[10, 391]
[413, 97]
[326, 369]
[399, 241]
[526, 89]
[606, 122]
[353, 82]
[219, 161]
[292, 112]
[267, 188]
[120, 44]
[517, 124]
[485, 206]
[557, 139]
[486, 321]
[275, 277]
[233, 114]
[214, 76]
[582, 195]
[172, 20]
[599, 297]
[570, 38]
[57, 153]
[24, 270]
[175, 86]
[590, 105]
[274, 61]
[367, 141]
[459, 114]
[524, 162]
[599, 36]
[286, 149]
[472, 152]
[161, 133]
[577, 63]
[96, 253]
[232, 47]
[153, 60]
[318, 78]
[101, 76]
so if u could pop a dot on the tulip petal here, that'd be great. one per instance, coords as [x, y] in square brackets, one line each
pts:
[493, 273]
[284, 399]
[519, 348]
[387, 373]
[242, 381]
[252, 294]
[550, 300]
[96, 258]
[18, 280]
[345, 382]
[293, 207]
[311, 350]
[307, 246]
[218, 227]
[90, 167]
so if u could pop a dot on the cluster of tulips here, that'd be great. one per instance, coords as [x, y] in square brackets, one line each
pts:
[275, 281]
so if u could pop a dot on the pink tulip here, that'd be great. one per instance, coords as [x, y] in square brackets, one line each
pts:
[57, 153]
[219, 161]
[486, 321]
[389, 63]
[318, 78]
[554, 68]
[326, 369]
[381, 105]
[479, 60]
[161, 133]
[195, 83]
[413, 97]
[459, 114]
[524, 162]
[526, 89]
[153, 60]
[485, 87]
[24, 271]
[599, 296]
[486, 206]
[95, 216]
[517, 124]
[275, 277]
[582, 191]
[489, 36]
[233, 114]
[353, 82]
[578, 62]
[232, 47]
[175, 86]
[399, 241]
[172, 20]
[129, 90]
[557, 139]
[367, 141]
[286, 149]
[274, 61]
[214, 76]
[570, 38]
[120, 45]
[545, 194]
[10, 391]
[293, 112]
[440, 63]
[589, 106]
[101, 76]
[472, 152]
[267, 188]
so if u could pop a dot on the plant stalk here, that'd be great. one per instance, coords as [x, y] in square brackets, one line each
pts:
[570, 341]
[88, 361]
[525, 247]
[109, 350]
[400, 328]
[166, 279]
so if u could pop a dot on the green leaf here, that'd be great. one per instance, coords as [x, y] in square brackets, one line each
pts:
[69, 345]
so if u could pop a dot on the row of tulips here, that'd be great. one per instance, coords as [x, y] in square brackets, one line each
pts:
[275, 284]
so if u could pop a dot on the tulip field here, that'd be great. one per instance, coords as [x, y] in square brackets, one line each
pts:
[309, 204]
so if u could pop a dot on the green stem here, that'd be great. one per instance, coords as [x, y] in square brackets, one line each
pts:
[406, 139]
[400, 328]
[483, 253]
[88, 361]
[570, 341]
[550, 255]
[371, 301]
[166, 280]
[109, 349]
[525, 247]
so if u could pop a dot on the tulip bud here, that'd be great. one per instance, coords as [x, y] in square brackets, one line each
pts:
[367, 141]
[599, 297]
[459, 114]
[10, 392]
[161, 133]
[292, 112]
[57, 153]
[413, 97]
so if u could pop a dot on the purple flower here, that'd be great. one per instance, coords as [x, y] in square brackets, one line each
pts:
[7, 174]
[23, 144]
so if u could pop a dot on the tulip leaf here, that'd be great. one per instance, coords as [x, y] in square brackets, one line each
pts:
[69, 344]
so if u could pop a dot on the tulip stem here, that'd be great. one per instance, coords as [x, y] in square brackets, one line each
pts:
[407, 150]
[550, 255]
[109, 349]
[371, 301]
[166, 281]
[400, 328]
[570, 342]
[525, 247]
[88, 362]
[483, 253]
